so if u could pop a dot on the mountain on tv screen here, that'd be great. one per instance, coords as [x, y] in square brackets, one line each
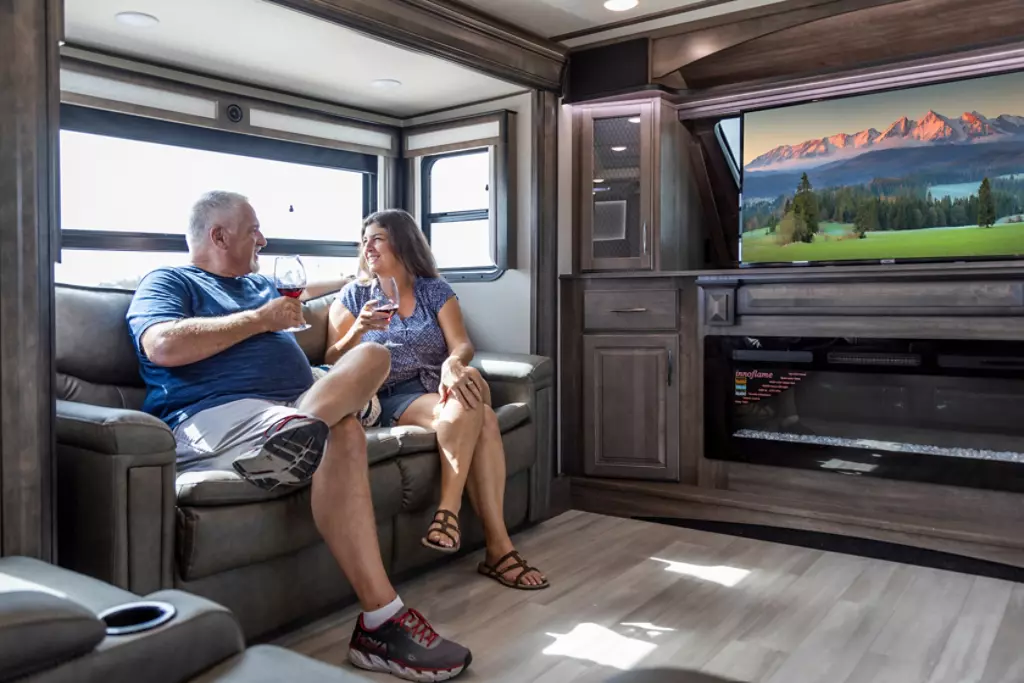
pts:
[927, 173]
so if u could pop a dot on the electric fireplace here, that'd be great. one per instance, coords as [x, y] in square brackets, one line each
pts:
[949, 412]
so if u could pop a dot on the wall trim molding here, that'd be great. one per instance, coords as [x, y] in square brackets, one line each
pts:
[450, 31]
[731, 101]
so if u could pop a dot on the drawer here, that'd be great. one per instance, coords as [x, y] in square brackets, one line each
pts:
[650, 309]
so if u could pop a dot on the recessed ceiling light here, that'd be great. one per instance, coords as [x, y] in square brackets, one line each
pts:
[635, 119]
[618, 149]
[386, 84]
[620, 5]
[136, 19]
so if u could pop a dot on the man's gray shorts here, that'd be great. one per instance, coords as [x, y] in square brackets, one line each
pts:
[268, 443]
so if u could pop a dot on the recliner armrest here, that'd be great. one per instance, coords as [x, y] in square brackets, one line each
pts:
[514, 367]
[113, 431]
[40, 630]
[115, 483]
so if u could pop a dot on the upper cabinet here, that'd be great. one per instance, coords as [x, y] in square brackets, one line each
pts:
[638, 207]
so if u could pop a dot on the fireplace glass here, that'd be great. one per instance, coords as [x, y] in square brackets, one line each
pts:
[948, 412]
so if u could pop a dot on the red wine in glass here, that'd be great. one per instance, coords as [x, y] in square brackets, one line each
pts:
[291, 292]
[290, 281]
[388, 308]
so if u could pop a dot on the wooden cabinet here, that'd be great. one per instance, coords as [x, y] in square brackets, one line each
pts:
[631, 416]
[639, 206]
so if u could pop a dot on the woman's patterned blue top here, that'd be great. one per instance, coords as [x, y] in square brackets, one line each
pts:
[423, 348]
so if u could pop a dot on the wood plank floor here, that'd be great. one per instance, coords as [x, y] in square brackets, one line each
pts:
[632, 595]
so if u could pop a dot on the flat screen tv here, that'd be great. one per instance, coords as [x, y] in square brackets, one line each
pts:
[927, 173]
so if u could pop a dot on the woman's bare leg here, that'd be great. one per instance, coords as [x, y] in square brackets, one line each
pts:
[458, 430]
[486, 487]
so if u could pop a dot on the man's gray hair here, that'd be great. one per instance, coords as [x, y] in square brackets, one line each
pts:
[208, 209]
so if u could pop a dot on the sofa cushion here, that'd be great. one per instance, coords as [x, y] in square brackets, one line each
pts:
[226, 487]
[92, 338]
[39, 630]
[420, 440]
[213, 539]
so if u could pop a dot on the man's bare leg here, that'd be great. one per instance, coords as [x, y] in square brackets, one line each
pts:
[342, 507]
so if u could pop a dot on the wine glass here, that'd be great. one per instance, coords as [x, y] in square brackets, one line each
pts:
[290, 280]
[386, 294]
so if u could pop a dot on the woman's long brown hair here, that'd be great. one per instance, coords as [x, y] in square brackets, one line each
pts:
[408, 244]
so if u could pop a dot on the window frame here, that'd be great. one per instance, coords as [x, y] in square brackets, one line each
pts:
[429, 218]
[108, 123]
[502, 209]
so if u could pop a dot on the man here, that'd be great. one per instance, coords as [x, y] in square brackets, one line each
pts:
[238, 393]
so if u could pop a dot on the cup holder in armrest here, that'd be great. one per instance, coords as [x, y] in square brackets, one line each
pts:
[136, 617]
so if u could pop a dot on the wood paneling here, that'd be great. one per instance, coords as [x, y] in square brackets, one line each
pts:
[450, 31]
[889, 32]
[29, 31]
[689, 44]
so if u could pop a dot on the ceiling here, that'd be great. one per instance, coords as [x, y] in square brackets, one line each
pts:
[260, 43]
[556, 18]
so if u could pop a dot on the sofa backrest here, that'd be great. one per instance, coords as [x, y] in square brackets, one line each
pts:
[96, 361]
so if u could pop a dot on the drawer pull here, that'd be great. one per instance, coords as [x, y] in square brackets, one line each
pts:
[629, 310]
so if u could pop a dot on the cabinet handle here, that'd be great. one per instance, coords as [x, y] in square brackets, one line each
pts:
[670, 367]
[629, 310]
[644, 239]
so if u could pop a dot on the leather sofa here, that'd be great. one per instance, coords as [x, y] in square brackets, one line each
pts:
[125, 517]
[51, 632]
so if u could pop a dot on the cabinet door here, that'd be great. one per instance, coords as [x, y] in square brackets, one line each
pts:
[617, 181]
[631, 406]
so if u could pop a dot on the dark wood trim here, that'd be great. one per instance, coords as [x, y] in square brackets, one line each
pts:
[29, 35]
[878, 34]
[544, 244]
[544, 225]
[450, 31]
[727, 101]
[764, 11]
[690, 44]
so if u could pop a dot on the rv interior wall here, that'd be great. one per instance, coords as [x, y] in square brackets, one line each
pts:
[504, 303]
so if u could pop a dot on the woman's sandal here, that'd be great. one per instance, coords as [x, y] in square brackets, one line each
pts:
[442, 526]
[491, 572]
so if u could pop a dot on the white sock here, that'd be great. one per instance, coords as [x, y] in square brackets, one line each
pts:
[374, 619]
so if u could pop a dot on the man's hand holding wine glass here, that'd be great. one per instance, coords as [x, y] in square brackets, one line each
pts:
[283, 313]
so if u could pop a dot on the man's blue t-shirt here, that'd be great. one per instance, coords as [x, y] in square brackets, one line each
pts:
[269, 366]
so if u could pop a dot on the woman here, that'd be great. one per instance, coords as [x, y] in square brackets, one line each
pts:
[431, 384]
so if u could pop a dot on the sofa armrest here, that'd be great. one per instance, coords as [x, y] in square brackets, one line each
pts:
[115, 483]
[522, 378]
[112, 431]
[201, 635]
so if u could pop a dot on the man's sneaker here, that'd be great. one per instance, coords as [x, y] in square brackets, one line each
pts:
[407, 646]
[291, 452]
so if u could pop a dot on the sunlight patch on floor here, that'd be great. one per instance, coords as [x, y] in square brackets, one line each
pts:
[722, 575]
[594, 643]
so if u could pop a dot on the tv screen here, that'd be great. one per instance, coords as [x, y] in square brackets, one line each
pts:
[926, 173]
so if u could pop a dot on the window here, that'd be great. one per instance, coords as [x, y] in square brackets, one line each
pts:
[128, 184]
[465, 180]
[727, 131]
[457, 209]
